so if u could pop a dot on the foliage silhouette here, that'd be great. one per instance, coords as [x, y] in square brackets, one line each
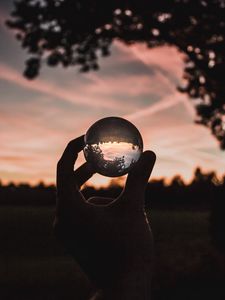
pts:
[95, 155]
[72, 32]
[199, 193]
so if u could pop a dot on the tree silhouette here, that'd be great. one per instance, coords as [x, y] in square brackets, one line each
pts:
[94, 154]
[72, 32]
[116, 166]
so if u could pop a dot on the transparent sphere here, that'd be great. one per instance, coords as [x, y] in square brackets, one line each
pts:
[113, 145]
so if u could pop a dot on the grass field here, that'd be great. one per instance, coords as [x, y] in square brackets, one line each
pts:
[34, 266]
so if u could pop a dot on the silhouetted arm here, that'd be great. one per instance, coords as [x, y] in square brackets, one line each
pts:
[112, 242]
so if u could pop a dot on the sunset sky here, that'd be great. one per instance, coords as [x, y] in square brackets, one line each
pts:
[39, 117]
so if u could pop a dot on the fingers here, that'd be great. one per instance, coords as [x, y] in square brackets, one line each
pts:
[70, 154]
[83, 173]
[138, 177]
[70, 202]
[65, 167]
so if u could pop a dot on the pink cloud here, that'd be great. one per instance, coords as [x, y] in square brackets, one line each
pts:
[11, 75]
[3, 17]
[97, 94]
[161, 105]
[129, 85]
[165, 57]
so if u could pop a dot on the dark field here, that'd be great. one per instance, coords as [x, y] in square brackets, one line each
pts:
[34, 266]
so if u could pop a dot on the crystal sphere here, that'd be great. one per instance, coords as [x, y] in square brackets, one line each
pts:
[113, 145]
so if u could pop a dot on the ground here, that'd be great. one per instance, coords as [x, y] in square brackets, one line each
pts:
[34, 266]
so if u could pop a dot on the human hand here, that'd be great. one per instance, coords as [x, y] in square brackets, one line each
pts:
[110, 238]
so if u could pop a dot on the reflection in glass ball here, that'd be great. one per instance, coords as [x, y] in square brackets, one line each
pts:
[113, 145]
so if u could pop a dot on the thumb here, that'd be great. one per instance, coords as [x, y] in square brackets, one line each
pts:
[138, 177]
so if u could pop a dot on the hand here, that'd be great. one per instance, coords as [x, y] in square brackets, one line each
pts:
[110, 238]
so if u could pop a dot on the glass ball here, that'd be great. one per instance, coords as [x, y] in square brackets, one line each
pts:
[113, 145]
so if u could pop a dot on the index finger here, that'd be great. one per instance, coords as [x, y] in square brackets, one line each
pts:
[65, 166]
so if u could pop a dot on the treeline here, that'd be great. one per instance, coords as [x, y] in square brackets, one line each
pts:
[201, 192]
[204, 191]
